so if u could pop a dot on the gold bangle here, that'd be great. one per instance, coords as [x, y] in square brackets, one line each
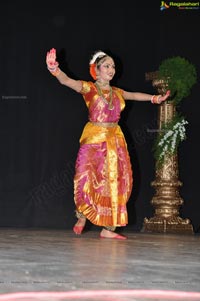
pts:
[56, 72]
[152, 98]
[155, 99]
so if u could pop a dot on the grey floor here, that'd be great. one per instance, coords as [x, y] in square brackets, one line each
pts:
[58, 260]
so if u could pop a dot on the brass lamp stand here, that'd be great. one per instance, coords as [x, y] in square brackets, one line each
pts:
[167, 200]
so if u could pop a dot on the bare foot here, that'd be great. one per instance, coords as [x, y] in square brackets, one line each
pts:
[79, 226]
[81, 222]
[110, 234]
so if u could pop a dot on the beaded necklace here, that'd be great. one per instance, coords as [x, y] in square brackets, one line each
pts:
[109, 103]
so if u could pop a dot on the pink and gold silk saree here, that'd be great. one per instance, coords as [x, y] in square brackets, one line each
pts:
[103, 173]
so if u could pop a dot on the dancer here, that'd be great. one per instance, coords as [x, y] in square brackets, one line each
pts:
[103, 173]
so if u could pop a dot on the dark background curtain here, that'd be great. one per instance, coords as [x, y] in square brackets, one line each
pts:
[41, 121]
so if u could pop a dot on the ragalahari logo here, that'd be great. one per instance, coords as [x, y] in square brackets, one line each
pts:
[179, 5]
[164, 5]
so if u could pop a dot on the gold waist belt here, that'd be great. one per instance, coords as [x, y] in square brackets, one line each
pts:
[105, 124]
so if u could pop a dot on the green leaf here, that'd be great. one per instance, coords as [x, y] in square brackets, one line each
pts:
[180, 75]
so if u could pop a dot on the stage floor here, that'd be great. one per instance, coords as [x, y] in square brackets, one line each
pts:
[58, 260]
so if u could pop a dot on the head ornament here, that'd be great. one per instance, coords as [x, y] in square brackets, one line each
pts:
[97, 55]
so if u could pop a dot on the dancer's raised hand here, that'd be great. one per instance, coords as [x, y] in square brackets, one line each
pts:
[51, 62]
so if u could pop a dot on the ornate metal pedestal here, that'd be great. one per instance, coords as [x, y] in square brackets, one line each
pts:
[167, 200]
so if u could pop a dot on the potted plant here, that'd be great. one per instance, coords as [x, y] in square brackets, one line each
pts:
[179, 76]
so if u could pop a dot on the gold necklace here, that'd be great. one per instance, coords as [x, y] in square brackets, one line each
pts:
[99, 83]
[109, 103]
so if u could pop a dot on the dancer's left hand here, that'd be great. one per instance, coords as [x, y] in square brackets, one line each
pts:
[162, 98]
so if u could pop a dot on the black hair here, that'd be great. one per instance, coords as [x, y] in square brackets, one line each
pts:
[98, 59]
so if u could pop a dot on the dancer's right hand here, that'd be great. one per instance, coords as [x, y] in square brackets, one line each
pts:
[51, 62]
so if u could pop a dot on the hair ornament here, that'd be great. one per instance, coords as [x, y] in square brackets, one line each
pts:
[93, 71]
[96, 55]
